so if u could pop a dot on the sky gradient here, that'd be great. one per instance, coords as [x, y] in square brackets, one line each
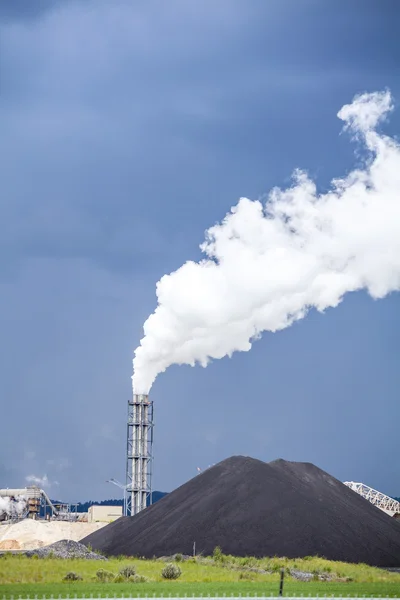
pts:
[127, 129]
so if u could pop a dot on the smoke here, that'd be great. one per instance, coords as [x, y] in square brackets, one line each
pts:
[42, 482]
[13, 507]
[267, 265]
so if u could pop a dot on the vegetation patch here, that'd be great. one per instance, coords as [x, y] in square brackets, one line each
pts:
[128, 571]
[171, 571]
[72, 576]
[218, 574]
[105, 576]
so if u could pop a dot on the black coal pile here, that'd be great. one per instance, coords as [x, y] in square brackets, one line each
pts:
[252, 508]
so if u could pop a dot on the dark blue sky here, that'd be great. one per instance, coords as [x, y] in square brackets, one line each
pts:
[127, 129]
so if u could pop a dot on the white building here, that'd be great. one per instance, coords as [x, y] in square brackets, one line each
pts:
[104, 514]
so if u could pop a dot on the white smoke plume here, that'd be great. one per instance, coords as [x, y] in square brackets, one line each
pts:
[13, 507]
[267, 265]
[42, 482]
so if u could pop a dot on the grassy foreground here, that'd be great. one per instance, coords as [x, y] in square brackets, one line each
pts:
[26, 590]
[27, 577]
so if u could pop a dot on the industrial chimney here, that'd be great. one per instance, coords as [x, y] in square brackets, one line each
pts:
[139, 453]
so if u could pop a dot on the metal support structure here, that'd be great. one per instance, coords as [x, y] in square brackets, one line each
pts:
[123, 488]
[139, 454]
[385, 503]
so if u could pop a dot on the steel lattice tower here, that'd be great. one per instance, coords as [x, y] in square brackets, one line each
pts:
[139, 454]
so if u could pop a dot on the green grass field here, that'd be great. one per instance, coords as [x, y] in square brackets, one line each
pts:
[175, 589]
[27, 577]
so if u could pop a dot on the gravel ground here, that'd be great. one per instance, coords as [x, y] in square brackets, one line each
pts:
[301, 575]
[65, 549]
[252, 508]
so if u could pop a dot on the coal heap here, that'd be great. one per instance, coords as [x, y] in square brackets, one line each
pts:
[252, 508]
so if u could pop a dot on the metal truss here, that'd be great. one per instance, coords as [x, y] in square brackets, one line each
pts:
[385, 503]
[139, 454]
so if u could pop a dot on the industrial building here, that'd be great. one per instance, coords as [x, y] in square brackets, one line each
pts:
[34, 503]
[103, 514]
[29, 502]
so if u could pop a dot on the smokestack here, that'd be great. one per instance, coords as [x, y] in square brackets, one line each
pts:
[139, 453]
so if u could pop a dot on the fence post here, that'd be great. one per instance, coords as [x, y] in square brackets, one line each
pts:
[281, 582]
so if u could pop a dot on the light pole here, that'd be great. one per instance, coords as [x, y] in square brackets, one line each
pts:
[123, 487]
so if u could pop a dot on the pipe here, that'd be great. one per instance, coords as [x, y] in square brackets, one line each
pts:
[32, 492]
[49, 502]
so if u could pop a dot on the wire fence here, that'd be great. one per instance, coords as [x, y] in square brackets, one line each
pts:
[194, 597]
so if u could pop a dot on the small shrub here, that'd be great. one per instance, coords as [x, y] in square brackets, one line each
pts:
[138, 579]
[72, 576]
[128, 571]
[171, 571]
[217, 554]
[104, 576]
[246, 576]
[248, 561]
[178, 557]
[119, 578]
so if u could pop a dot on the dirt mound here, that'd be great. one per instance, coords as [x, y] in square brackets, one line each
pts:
[10, 545]
[252, 508]
[31, 534]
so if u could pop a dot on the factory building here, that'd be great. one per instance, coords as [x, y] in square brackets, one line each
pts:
[104, 514]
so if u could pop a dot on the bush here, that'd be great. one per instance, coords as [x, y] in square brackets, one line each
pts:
[246, 576]
[128, 571]
[248, 561]
[178, 557]
[71, 576]
[138, 579]
[104, 576]
[171, 571]
[217, 554]
[276, 567]
[119, 578]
